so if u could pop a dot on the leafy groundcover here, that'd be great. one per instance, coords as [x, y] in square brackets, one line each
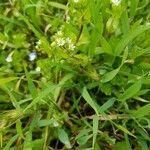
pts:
[74, 74]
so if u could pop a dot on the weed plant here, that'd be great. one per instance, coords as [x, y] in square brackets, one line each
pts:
[74, 74]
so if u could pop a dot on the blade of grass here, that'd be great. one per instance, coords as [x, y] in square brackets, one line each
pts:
[95, 129]
[142, 111]
[3, 81]
[106, 105]
[10, 142]
[125, 130]
[31, 85]
[131, 91]
[58, 5]
[89, 100]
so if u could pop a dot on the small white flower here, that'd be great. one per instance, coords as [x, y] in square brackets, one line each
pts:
[116, 2]
[32, 56]
[76, 1]
[38, 69]
[9, 58]
[71, 46]
[55, 123]
[67, 19]
[38, 43]
[68, 40]
[59, 33]
[60, 42]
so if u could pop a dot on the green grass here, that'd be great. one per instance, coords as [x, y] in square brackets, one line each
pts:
[74, 75]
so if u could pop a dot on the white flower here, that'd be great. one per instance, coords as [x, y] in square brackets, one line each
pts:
[32, 56]
[9, 58]
[59, 33]
[38, 69]
[76, 1]
[60, 42]
[55, 124]
[68, 40]
[38, 43]
[116, 2]
[71, 46]
[67, 19]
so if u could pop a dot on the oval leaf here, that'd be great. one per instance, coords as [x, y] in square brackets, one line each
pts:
[110, 75]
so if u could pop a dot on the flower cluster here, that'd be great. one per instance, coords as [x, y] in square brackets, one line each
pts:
[66, 42]
[61, 41]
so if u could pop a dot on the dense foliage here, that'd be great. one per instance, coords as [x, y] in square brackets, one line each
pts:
[74, 74]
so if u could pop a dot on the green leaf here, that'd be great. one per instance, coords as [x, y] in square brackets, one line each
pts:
[63, 137]
[143, 144]
[28, 141]
[50, 88]
[142, 111]
[3, 81]
[131, 91]
[133, 7]
[125, 22]
[89, 100]
[61, 83]
[124, 129]
[48, 122]
[110, 75]
[129, 37]
[57, 5]
[120, 146]
[19, 128]
[95, 129]
[106, 105]
[146, 80]
[31, 85]
[10, 142]
[105, 46]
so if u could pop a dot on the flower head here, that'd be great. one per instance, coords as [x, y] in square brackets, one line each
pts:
[68, 40]
[38, 69]
[60, 41]
[9, 58]
[38, 43]
[71, 46]
[32, 56]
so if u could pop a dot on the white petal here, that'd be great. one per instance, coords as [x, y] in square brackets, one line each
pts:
[9, 59]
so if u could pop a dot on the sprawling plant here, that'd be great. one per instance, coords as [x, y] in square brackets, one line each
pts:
[74, 74]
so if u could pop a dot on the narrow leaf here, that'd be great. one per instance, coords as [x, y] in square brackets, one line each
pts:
[129, 37]
[3, 81]
[131, 91]
[95, 129]
[63, 137]
[124, 129]
[107, 105]
[142, 111]
[89, 100]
